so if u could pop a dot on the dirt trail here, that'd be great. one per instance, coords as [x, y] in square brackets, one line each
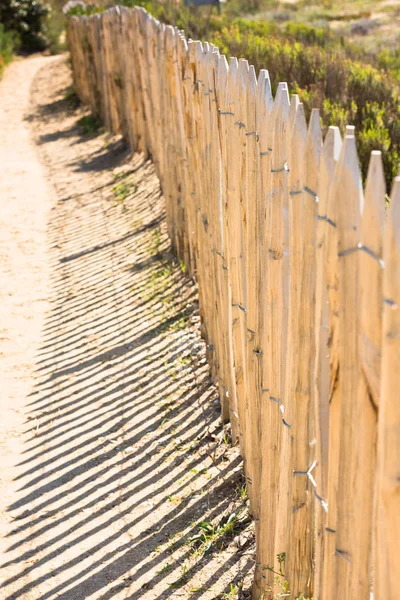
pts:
[113, 448]
[24, 271]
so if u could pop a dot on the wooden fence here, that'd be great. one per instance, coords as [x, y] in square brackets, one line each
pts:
[299, 286]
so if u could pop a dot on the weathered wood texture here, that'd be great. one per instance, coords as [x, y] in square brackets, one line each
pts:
[299, 290]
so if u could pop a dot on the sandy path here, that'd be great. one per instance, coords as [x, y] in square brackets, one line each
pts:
[24, 271]
[112, 439]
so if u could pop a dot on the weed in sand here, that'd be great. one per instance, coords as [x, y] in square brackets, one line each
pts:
[243, 492]
[155, 244]
[184, 577]
[232, 593]
[184, 360]
[72, 98]
[159, 283]
[123, 190]
[89, 124]
[180, 324]
[280, 588]
[164, 568]
[121, 175]
[210, 536]
[137, 224]
[174, 499]
[196, 590]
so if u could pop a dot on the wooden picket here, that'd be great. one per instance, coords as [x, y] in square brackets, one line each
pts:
[387, 510]
[325, 365]
[299, 291]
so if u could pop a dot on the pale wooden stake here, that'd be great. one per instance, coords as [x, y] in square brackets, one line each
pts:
[236, 266]
[264, 105]
[386, 559]
[321, 388]
[228, 118]
[227, 371]
[271, 417]
[251, 218]
[357, 412]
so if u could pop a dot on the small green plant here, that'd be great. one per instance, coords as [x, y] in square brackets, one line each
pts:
[184, 577]
[72, 98]
[160, 282]
[121, 191]
[232, 593]
[164, 568]
[137, 223]
[154, 248]
[210, 536]
[280, 583]
[121, 175]
[226, 438]
[243, 492]
[280, 587]
[179, 324]
[184, 360]
[89, 124]
[174, 499]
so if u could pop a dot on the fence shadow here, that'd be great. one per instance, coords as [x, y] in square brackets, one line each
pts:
[125, 454]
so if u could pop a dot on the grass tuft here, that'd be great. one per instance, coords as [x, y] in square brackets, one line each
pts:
[89, 124]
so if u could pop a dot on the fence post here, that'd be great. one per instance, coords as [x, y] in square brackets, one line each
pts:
[357, 412]
[227, 368]
[264, 106]
[227, 116]
[324, 318]
[386, 557]
[296, 135]
[236, 89]
[272, 421]
[371, 279]
[252, 206]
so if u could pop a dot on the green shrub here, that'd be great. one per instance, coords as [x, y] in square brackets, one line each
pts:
[320, 36]
[25, 17]
[390, 61]
[348, 85]
[53, 30]
[321, 68]
[78, 11]
[9, 42]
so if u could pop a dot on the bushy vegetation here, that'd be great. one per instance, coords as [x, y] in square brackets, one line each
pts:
[347, 84]
[8, 44]
[53, 29]
[30, 26]
[24, 18]
[346, 91]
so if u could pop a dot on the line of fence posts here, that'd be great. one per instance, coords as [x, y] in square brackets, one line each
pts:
[298, 273]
